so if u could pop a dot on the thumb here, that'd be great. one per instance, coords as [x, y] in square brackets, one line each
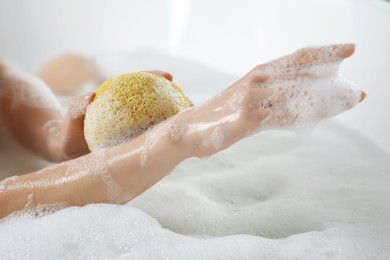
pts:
[78, 106]
[73, 142]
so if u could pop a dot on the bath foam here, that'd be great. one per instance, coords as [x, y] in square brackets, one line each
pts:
[306, 94]
[31, 210]
[307, 101]
[126, 105]
[152, 135]
[217, 138]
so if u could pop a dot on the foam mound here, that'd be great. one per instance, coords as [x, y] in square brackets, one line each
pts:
[127, 105]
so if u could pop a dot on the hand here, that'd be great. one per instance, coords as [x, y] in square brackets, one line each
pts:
[66, 138]
[266, 98]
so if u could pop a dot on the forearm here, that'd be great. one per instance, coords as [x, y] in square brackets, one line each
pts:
[27, 105]
[37, 134]
[109, 176]
[33, 116]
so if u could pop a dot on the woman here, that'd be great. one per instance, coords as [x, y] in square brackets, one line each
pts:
[118, 174]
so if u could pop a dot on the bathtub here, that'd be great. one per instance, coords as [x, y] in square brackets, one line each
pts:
[271, 196]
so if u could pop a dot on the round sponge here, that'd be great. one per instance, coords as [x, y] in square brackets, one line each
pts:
[127, 105]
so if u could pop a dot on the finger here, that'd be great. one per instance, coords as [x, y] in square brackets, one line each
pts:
[78, 105]
[264, 81]
[252, 79]
[290, 76]
[161, 73]
[324, 54]
[169, 77]
[189, 101]
[73, 141]
[308, 57]
[363, 96]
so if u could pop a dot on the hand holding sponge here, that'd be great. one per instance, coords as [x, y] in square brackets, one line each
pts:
[127, 105]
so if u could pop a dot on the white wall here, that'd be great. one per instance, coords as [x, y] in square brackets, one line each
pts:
[32, 31]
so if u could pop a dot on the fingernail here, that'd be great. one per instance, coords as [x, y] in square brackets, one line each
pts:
[88, 95]
[363, 95]
[347, 50]
[78, 105]
[88, 98]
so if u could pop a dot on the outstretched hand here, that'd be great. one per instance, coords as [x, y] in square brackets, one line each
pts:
[272, 95]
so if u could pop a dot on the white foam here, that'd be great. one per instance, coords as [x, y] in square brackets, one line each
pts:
[32, 210]
[217, 138]
[318, 94]
[151, 136]
[176, 132]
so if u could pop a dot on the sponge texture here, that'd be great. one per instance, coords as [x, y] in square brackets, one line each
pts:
[127, 105]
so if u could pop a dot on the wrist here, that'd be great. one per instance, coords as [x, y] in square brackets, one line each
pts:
[141, 162]
[166, 142]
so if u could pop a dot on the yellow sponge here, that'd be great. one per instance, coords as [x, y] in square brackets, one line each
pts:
[126, 105]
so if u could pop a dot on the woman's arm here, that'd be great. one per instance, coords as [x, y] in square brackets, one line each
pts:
[33, 116]
[115, 175]
[118, 174]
